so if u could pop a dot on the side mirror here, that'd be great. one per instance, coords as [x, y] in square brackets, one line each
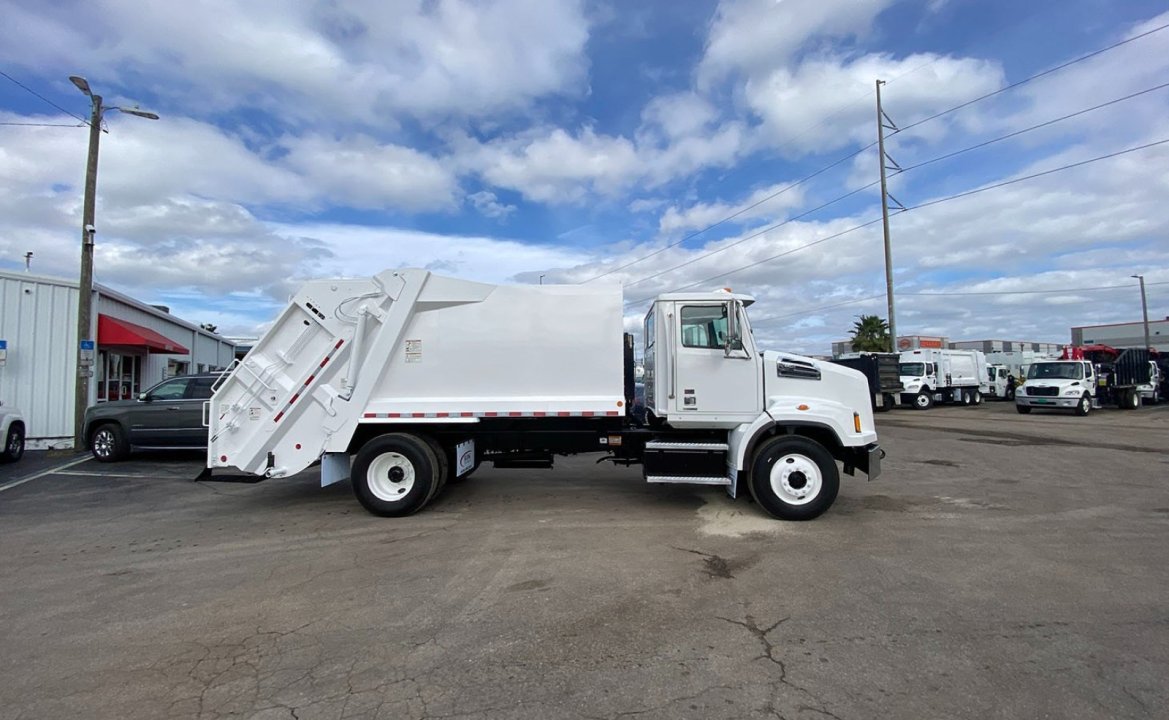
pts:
[734, 342]
[143, 397]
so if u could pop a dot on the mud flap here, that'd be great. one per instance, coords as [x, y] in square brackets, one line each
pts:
[334, 468]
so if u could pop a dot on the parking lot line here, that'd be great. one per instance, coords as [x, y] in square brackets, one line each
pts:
[43, 473]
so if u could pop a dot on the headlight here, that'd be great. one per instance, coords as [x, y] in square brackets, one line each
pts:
[1072, 391]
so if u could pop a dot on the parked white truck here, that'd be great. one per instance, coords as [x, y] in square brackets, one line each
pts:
[403, 381]
[932, 375]
[1086, 378]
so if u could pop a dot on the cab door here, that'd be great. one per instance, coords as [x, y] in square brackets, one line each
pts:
[712, 379]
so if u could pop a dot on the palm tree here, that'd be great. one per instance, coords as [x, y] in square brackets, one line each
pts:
[870, 334]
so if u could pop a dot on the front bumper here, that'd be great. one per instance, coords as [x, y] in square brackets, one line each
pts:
[1069, 402]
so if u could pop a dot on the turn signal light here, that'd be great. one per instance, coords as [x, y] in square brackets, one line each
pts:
[856, 421]
[801, 407]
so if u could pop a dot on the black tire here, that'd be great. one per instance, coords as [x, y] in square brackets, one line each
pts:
[443, 468]
[108, 443]
[810, 468]
[411, 474]
[924, 400]
[977, 397]
[13, 447]
[887, 403]
[1010, 393]
[967, 397]
[1023, 409]
[1084, 405]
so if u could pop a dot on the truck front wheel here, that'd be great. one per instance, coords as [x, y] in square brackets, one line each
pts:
[924, 400]
[1023, 409]
[794, 478]
[1084, 405]
[395, 474]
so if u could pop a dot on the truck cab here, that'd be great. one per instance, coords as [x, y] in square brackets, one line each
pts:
[919, 378]
[1066, 384]
[996, 381]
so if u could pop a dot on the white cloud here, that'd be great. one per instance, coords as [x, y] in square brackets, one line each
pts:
[308, 60]
[360, 172]
[702, 215]
[750, 36]
[488, 204]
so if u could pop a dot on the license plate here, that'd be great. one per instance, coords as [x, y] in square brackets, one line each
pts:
[1042, 402]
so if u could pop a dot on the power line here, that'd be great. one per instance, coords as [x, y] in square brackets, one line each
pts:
[727, 219]
[764, 231]
[24, 124]
[1032, 176]
[42, 97]
[818, 308]
[1008, 136]
[937, 201]
[1036, 76]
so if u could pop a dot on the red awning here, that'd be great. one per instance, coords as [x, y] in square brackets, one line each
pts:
[120, 332]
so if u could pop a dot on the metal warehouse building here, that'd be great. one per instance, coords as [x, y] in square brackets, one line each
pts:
[989, 346]
[137, 345]
[1124, 335]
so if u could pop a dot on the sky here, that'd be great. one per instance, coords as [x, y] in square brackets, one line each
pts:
[578, 141]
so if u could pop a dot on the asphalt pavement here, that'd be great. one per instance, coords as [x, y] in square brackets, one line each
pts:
[1004, 566]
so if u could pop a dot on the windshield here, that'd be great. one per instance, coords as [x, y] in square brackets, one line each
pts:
[913, 369]
[1056, 370]
[990, 373]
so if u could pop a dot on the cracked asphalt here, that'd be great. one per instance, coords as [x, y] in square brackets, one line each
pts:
[1003, 567]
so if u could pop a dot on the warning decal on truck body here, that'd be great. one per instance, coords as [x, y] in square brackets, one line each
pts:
[413, 351]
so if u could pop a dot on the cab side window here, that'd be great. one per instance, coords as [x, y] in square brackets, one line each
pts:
[704, 326]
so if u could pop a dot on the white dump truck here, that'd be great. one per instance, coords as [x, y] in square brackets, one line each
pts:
[936, 375]
[405, 380]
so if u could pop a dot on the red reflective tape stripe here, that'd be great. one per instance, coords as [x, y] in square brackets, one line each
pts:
[294, 397]
[442, 414]
[310, 379]
[278, 416]
[515, 414]
[613, 413]
[587, 413]
[538, 414]
[324, 361]
[490, 414]
[393, 415]
[370, 415]
[466, 414]
[338, 344]
[564, 414]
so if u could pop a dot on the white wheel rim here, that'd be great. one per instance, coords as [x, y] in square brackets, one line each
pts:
[390, 477]
[923, 400]
[796, 479]
[1086, 404]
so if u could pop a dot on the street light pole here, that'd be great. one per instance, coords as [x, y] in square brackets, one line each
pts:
[1144, 309]
[85, 340]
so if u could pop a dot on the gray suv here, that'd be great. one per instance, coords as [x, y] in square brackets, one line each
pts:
[167, 416]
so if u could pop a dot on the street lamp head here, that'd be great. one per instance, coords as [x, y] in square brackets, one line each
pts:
[1138, 277]
[139, 113]
[81, 84]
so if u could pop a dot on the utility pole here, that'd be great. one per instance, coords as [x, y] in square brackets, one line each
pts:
[885, 220]
[1144, 310]
[85, 342]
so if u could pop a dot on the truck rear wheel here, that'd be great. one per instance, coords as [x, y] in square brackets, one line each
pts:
[1131, 400]
[977, 397]
[395, 474]
[1084, 405]
[794, 478]
[924, 400]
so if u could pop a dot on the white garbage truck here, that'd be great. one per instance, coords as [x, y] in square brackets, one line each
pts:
[406, 380]
[932, 375]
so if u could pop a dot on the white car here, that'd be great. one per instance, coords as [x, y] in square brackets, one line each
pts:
[12, 433]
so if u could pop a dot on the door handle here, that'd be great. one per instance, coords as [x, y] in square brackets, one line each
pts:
[174, 407]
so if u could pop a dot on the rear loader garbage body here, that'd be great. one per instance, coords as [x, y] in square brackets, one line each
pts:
[406, 380]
